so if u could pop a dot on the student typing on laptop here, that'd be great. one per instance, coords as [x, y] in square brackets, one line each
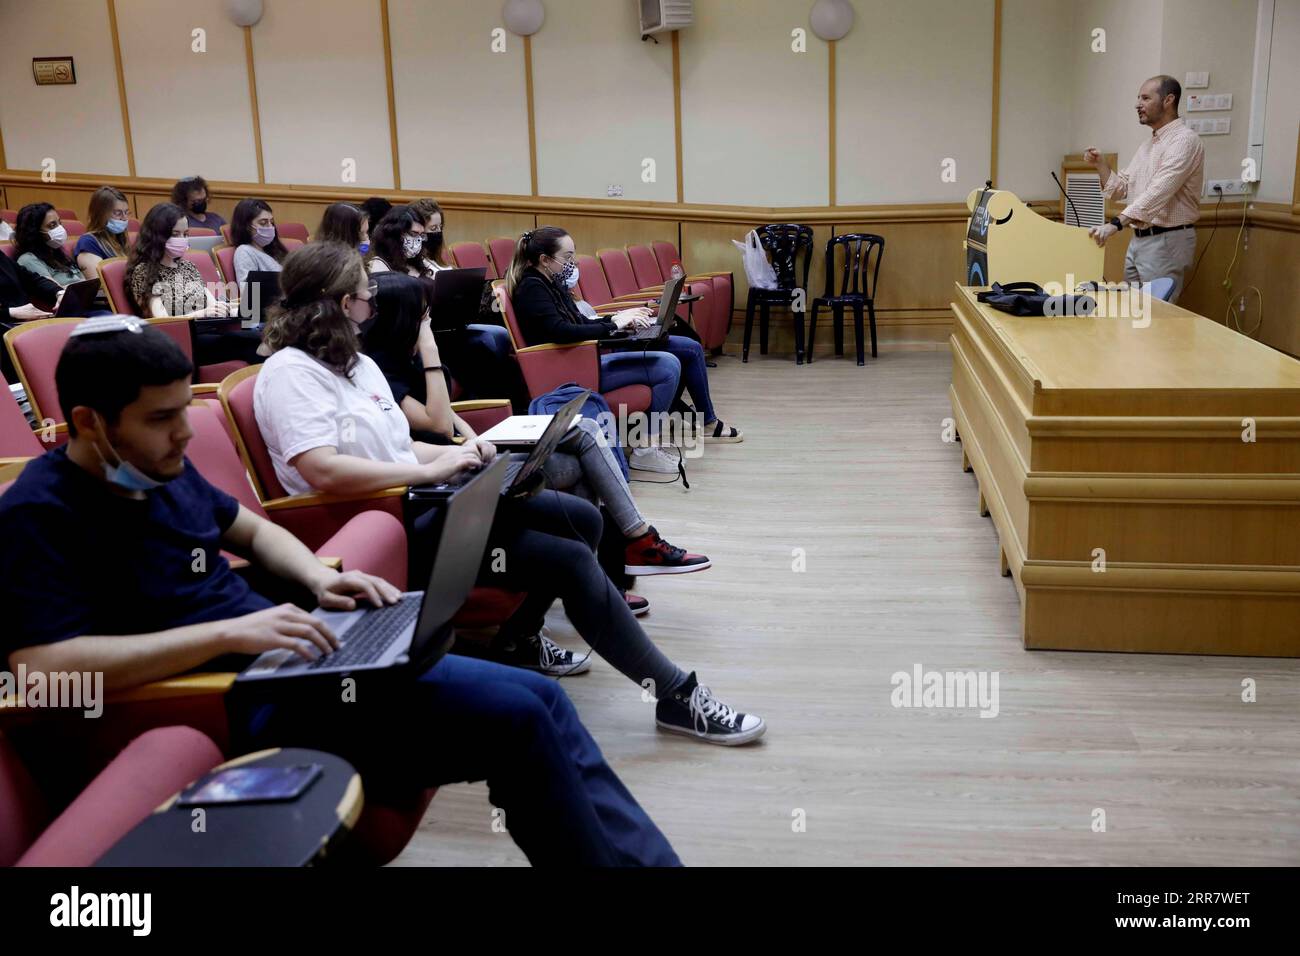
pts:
[330, 424]
[98, 574]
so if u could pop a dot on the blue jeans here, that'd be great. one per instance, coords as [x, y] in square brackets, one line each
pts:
[658, 370]
[467, 719]
[695, 373]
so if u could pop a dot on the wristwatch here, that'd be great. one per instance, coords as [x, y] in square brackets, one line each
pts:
[433, 368]
[1118, 223]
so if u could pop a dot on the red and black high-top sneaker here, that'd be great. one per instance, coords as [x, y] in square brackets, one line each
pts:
[651, 554]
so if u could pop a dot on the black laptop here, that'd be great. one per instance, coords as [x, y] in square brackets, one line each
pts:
[78, 299]
[455, 298]
[521, 476]
[663, 321]
[415, 630]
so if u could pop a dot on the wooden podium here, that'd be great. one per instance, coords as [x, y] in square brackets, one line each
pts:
[1143, 477]
[1006, 241]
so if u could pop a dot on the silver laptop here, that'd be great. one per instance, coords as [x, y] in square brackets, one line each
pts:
[414, 630]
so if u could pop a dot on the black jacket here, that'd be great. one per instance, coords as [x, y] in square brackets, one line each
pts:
[547, 313]
[19, 286]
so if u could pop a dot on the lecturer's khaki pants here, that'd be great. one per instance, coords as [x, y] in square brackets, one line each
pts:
[1168, 254]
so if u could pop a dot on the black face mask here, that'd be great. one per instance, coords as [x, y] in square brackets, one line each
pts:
[199, 207]
[433, 244]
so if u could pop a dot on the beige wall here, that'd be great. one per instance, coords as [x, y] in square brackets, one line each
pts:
[754, 122]
[78, 126]
[1282, 117]
[913, 86]
[166, 78]
[462, 116]
[1034, 119]
[322, 93]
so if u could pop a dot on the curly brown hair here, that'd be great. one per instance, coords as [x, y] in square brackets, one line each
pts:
[310, 316]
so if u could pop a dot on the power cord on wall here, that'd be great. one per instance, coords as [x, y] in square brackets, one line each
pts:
[1233, 315]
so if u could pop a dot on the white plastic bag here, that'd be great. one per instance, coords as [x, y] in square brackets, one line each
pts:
[757, 269]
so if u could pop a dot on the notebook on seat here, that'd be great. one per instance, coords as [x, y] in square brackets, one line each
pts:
[415, 630]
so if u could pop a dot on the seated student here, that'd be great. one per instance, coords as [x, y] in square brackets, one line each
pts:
[18, 290]
[331, 424]
[257, 246]
[541, 274]
[97, 574]
[401, 343]
[105, 235]
[191, 194]
[397, 243]
[164, 283]
[38, 239]
[376, 208]
[345, 223]
[481, 355]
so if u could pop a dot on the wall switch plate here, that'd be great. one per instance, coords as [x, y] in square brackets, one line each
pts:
[614, 190]
[1231, 187]
[1198, 102]
[1196, 81]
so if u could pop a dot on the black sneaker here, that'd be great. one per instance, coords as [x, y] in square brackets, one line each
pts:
[692, 709]
[540, 653]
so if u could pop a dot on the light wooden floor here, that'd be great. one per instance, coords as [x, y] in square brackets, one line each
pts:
[848, 464]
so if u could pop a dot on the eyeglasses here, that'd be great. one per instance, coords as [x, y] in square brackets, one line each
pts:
[372, 290]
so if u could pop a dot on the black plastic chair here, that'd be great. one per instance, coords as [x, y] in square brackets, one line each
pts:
[784, 244]
[857, 289]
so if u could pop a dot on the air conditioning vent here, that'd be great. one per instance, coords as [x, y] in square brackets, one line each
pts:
[661, 16]
[1084, 190]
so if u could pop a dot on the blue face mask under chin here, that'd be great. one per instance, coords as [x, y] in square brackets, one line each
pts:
[363, 248]
[125, 475]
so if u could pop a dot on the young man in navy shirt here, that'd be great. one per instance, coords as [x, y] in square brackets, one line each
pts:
[100, 572]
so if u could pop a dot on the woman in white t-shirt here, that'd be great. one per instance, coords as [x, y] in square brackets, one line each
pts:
[330, 423]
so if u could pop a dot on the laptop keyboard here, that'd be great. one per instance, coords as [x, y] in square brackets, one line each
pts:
[372, 635]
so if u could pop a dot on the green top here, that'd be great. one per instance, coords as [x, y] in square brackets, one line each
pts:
[63, 277]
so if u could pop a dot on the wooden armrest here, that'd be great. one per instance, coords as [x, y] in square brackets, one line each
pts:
[555, 346]
[204, 388]
[334, 563]
[475, 404]
[313, 498]
[183, 685]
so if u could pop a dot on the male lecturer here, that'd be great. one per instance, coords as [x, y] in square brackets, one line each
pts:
[1162, 186]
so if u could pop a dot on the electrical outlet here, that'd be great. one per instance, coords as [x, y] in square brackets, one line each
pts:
[1196, 81]
[615, 190]
[1228, 187]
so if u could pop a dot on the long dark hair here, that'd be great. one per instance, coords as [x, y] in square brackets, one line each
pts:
[529, 249]
[241, 228]
[341, 223]
[151, 245]
[427, 208]
[30, 237]
[310, 317]
[400, 303]
[386, 239]
[102, 202]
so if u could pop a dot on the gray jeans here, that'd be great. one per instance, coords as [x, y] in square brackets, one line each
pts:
[585, 465]
[1168, 254]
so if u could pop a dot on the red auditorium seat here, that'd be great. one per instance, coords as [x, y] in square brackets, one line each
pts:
[471, 255]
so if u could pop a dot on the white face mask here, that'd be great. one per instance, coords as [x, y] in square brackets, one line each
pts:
[572, 279]
[57, 236]
[412, 245]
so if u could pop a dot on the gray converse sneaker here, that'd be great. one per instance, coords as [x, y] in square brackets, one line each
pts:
[694, 711]
[540, 653]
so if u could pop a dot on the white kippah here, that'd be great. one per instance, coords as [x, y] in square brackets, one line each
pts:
[110, 323]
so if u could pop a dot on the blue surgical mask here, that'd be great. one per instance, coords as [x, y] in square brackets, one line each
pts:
[116, 226]
[363, 248]
[124, 474]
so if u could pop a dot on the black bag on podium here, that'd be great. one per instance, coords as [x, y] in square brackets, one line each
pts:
[1028, 298]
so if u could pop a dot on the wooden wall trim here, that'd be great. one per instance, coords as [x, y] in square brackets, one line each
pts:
[392, 100]
[1295, 189]
[4, 162]
[830, 121]
[532, 113]
[252, 102]
[121, 86]
[997, 91]
[677, 114]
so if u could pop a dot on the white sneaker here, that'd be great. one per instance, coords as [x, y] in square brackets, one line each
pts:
[652, 464]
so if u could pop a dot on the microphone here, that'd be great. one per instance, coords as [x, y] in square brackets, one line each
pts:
[1077, 221]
